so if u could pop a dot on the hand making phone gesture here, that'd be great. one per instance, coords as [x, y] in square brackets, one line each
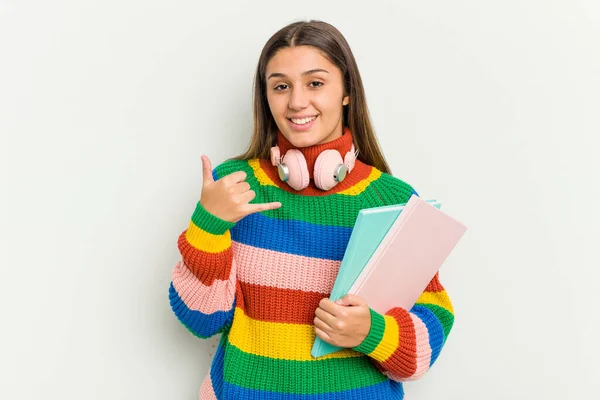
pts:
[229, 197]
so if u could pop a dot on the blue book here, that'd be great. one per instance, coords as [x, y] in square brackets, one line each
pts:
[371, 226]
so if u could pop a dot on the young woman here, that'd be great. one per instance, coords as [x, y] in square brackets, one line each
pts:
[265, 242]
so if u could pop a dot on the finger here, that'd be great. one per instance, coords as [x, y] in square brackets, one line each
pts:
[247, 196]
[351, 300]
[328, 305]
[207, 176]
[322, 325]
[234, 178]
[241, 188]
[323, 335]
[325, 318]
[260, 207]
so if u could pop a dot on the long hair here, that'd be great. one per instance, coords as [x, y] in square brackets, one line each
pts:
[332, 44]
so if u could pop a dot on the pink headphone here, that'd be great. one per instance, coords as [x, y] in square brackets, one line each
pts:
[330, 169]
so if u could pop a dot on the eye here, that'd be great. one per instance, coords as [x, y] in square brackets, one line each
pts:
[279, 88]
[317, 82]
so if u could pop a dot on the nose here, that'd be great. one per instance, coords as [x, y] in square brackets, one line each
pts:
[299, 99]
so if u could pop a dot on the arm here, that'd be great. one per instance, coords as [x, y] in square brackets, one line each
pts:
[202, 290]
[405, 344]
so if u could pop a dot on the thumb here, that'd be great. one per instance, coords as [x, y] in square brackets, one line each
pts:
[350, 300]
[207, 176]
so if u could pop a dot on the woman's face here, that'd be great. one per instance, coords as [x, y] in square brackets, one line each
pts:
[305, 92]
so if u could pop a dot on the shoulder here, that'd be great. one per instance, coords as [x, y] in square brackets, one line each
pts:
[230, 166]
[390, 190]
[251, 167]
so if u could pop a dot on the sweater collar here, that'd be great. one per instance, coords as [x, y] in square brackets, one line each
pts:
[342, 144]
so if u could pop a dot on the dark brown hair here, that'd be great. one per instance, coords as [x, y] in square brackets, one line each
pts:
[333, 45]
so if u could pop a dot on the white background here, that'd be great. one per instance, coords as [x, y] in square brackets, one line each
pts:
[106, 108]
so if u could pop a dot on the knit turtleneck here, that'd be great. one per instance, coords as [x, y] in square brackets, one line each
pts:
[343, 144]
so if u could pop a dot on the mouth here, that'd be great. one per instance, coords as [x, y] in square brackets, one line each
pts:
[302, 124]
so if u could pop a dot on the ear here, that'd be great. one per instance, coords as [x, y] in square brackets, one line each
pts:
[346, 101]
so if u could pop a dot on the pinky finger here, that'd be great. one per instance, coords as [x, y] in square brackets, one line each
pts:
[272, 206]
[264, 206]
[323, 336]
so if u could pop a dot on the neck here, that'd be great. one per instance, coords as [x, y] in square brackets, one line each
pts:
[342, 144]
[360, 173]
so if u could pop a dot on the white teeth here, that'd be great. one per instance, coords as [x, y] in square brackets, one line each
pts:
[303, 120]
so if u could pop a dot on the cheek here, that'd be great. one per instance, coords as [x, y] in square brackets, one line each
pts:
[327, 105]
[330, 114]
[270, 102]
[276, 105]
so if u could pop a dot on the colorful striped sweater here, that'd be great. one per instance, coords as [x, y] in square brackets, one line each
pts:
[259, 281]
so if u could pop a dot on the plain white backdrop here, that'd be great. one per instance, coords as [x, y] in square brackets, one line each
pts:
[106, 108]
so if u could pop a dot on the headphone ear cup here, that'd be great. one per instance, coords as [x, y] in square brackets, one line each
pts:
[350, 159]
[296, 163]
[325, 167]
[275, 156]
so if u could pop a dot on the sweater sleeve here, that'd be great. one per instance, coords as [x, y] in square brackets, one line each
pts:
[203, 286]
[405, 344]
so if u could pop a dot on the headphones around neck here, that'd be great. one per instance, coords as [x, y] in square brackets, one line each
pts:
[330, 169]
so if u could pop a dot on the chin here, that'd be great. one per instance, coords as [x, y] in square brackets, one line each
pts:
[305, 139]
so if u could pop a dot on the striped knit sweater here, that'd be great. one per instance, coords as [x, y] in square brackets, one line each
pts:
[259, 281]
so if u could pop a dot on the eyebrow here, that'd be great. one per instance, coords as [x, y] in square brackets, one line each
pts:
[310, 72]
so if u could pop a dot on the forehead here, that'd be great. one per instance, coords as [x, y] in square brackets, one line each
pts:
[296, 60]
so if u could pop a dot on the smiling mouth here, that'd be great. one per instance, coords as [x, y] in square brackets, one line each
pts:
[303, 121]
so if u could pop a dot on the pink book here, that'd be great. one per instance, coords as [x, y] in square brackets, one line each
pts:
[408, 257]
